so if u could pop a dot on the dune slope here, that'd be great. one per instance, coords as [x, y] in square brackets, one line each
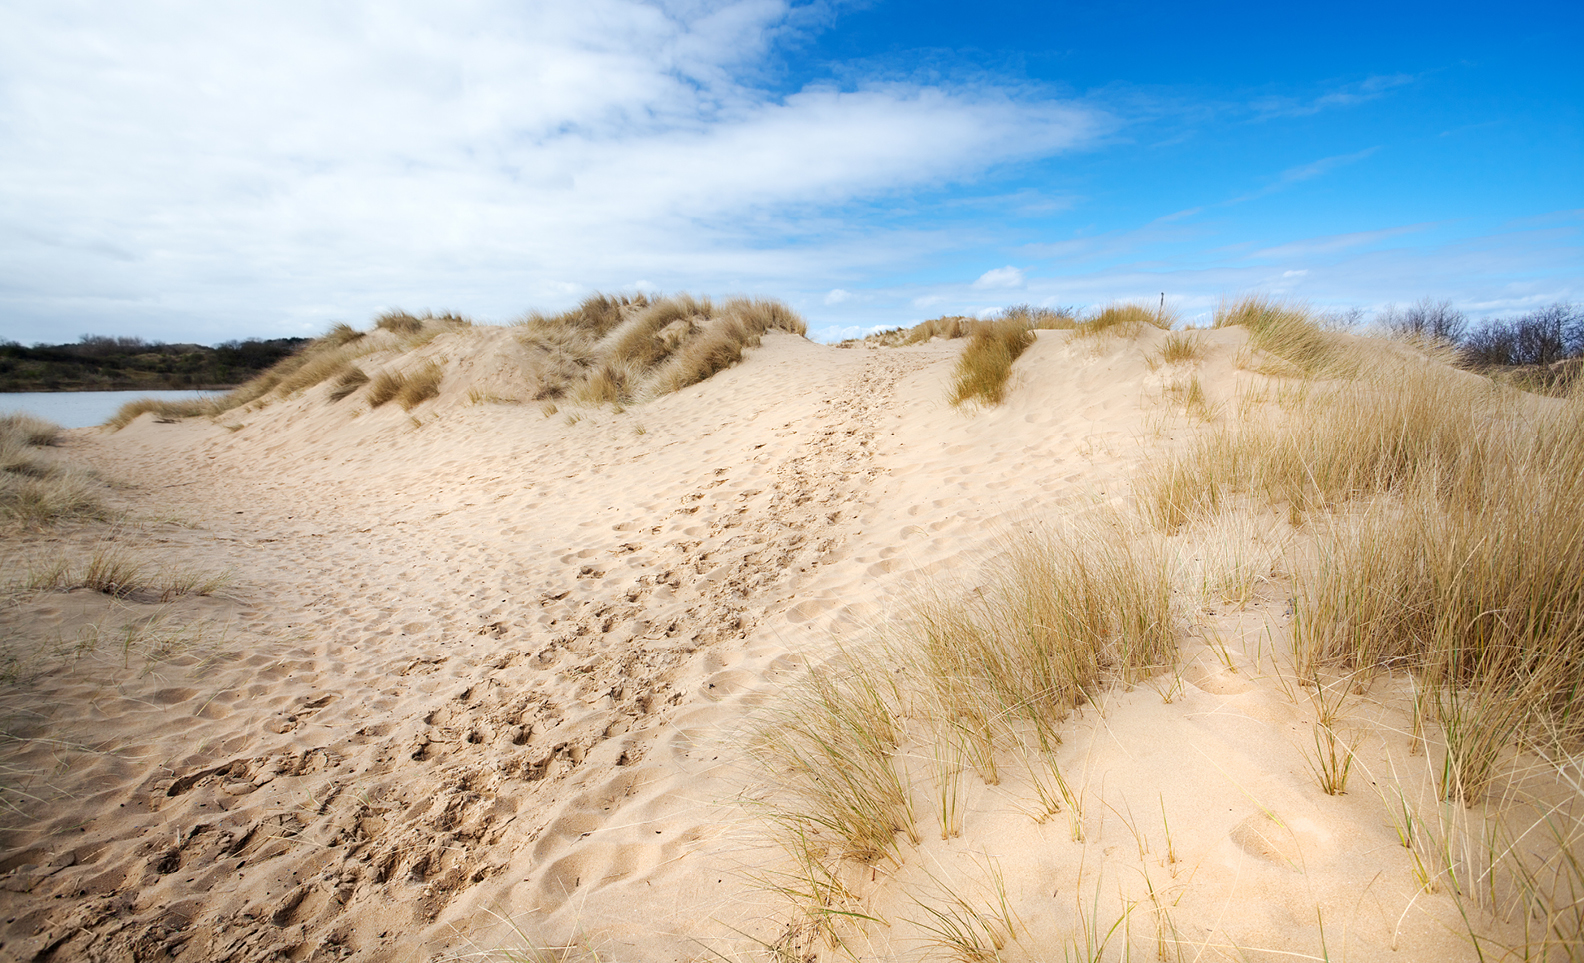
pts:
[483, 674]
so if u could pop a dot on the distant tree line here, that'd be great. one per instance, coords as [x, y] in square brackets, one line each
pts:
[99, 363]
[1543, 337]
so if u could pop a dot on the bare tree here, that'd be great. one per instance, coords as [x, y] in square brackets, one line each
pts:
[1428, 319]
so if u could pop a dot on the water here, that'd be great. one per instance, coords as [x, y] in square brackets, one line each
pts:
[80, 409]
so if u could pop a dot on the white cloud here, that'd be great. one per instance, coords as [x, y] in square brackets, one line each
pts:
[837, 296]
[250, 165]
[1005, 277]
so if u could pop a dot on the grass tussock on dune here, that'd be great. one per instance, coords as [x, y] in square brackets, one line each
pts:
[114, 571]
[1126, 319]
[1290, 337]
[26, 431]
[985, 679]
[36, 489]
[1447, 523]
[611, 348]
[995, 343]
[985, 364]
[385, 387]
[329, 357]
[1438, 532]
[952, 327]
[1065, 612]
[348, 383]
[419, 387]
[1181, 347]
[618, 349]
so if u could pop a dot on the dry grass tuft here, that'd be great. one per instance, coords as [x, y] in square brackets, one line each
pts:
[162, 410]
[36, 489]
[833, 747]
[348, 383]
[26, 430]
[1126, 319]
[616, 349]
[328, 356]
[1041, 319]
[715, 348]
[112, 570]
[985, 364]
[1182, 346]
[946, 328]
[1448, 539]
[386, 386]
[764, 314]
[1288, 333]
[340, 335]
[398, 322]
[1065, 613]
[419, 387]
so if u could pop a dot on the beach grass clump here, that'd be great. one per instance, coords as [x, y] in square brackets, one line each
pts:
[340, 335]
[1036, 318]
[946, 328]
[385, 387]
[1476, 583]
[398, 322]
[1065, 612]
[985, 364]
[653, 333]
[26, 431]
[1181, 347]
[113, 570]
[760, 315]
[35, 488]
[618, 348]
[42, 499]
[834, 746]
[973, 677]
[163, 410]
[1401, 426]
[715, 348]
[1445, 520]
[348, 383]
[610, 383]
[1126, 319]
[316, 369]
[1288, 333]
[327, 356]
[419, 386]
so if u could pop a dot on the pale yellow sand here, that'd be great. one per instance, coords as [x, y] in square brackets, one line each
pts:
[482, 679]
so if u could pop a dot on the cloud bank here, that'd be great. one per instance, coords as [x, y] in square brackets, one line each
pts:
[269, 167]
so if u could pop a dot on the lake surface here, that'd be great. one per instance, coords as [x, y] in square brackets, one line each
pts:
[80, 409]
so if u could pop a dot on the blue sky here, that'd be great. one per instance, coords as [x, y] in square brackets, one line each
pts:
[204, 172]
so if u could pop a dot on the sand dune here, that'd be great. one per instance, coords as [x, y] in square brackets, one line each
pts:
[482, 679]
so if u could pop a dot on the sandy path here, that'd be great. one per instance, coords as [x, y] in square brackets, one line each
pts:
[466, 646]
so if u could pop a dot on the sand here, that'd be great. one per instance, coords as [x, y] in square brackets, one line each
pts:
[482, 677]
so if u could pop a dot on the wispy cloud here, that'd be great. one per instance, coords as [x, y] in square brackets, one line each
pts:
[1345, 95]
[1305, 172]
[1336, 242]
